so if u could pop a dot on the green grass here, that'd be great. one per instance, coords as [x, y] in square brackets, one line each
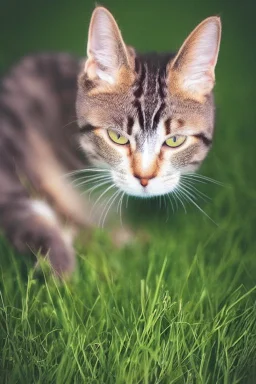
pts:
[178, 307]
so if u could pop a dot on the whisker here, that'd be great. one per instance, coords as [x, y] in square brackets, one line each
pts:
[177, 194]
[166, 208]
[101, 195]
[86, 170]
[90, 190]
[190, 178]
[202, 177]
[127, 199]
[169, 197]
[200, 209]
[119, 203]
[119, 207]
[93, 180]
[110, 202]
[175, 200]
[165, 204]
[88, 176]
[191, 187]
[187, 192]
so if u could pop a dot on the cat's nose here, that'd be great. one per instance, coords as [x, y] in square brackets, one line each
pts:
[143, 181]
[144, 168]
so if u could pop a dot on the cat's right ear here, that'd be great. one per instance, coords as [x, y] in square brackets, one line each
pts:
[106, 50]
[191, 73]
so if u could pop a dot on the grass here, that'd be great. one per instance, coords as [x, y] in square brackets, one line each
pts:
[171, 311]
[177, 305]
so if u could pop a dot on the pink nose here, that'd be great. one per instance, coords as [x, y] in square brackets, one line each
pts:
[144, 182]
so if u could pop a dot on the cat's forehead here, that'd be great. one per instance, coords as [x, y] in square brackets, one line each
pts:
[149, 94]
[143, 100]
[144, 108]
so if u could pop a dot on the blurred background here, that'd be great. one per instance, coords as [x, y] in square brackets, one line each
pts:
[31, 26]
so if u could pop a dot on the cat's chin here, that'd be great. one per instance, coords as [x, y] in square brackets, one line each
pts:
[156, 187]
[147, 195]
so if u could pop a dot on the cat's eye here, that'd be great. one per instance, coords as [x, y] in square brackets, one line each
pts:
[175, 141]
[117, 137]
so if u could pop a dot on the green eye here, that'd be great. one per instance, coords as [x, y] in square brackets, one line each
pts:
[117, 138]
[175, 141]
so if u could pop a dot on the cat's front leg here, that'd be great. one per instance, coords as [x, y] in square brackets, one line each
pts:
[33, 225]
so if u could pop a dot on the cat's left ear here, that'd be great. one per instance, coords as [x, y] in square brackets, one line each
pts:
[191, 73]
[106, 51]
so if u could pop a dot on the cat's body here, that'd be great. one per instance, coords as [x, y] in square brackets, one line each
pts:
[38, 145]
[140, 96]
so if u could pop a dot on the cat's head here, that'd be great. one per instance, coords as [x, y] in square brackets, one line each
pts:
[147, 119]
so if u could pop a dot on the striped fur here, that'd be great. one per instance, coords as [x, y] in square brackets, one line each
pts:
[150, 98]
[51, 123]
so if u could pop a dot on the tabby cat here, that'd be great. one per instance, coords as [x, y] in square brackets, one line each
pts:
[139, 122]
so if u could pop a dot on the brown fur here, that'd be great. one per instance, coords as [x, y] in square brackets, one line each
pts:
[46, 100]
[137, 170]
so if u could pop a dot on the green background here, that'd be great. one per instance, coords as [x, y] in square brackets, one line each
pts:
[110, 325]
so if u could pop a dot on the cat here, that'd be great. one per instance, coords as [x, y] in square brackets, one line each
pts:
[138, 121]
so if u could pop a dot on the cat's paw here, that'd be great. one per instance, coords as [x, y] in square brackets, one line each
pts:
[45, 238]
[125, 236]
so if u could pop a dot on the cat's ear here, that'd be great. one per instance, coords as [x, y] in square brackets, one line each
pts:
[192, 71]
[106, 50]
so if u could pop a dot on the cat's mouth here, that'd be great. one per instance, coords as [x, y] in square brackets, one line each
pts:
[154, 187]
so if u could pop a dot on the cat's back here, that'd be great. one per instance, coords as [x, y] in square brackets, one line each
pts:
[37, 97]
[40, 85]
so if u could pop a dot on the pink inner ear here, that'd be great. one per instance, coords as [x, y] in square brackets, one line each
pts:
[193, 69]
[88, 64]
[105, 49]
[212, 63]
[90, 68]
